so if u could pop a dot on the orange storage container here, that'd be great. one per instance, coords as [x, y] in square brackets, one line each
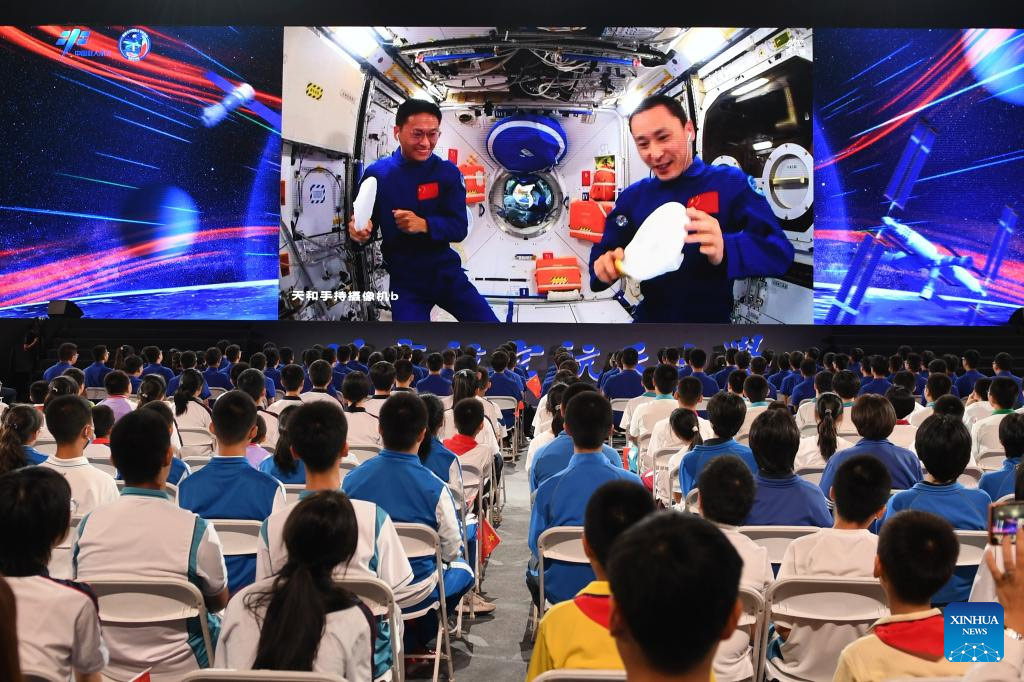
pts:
[586, 219]
[476, 183]
[603, 187]
[557, 274]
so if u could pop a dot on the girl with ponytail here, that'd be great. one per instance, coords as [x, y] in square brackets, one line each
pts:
[815, 450]
[18, 431]
[152, 389]
[189, 410]
[122, 353]
[282, 465]
[300, 619]
[686, 427]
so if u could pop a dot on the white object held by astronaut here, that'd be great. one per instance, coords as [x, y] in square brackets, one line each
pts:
[362, 207]
[657, 247]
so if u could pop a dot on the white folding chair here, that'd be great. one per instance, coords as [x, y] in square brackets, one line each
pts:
[34, 675]
[812, 474]
[581, 675]
[132, 602]
[743, 438]
[690, 503]
[503, 403]
[821, 606]
[660, 461]
[753, 620]
[60, 557]
[364, 452]
[104, 465]
[258, 676]
[1006, 498]
[47, 447]
[420, 541]
[378, 597]
[560, 543]
[292, 491]
[776, 538]
[217, 391]
[346, 467]
[237, 536]
[618, 405]
[196, 462]
[96, 393]
[196, 443]
[172, 492]
[991, 460]
[970, 477]
[972, 546]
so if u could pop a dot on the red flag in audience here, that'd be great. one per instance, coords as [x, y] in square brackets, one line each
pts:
[142, 677]
[489, 539]
[534, 385]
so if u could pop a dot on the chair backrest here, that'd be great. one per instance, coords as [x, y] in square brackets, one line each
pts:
[691, 500]
[172, 492]
[504, 402]
[237, 537]
[580, 675]
[60, 557]
[418, 540]
[346, 467]
[196, 437]
[991, 460]
[104, 465]
[96, 393]
[364, 452]
[776, 538]
[378, 597]
[217, 391]
[970, 477]
[753, 618]
[292, 491]
[1006, 498]
[811, 474]
[47, 447]
[619, 404]
[131, 601]
[195, 462]
[563, 543]
[743, 438]
[972, 546]
[258, 675]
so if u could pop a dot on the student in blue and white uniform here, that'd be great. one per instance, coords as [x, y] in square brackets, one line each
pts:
[726, 412]
[434, 382]
[273, 370]
[397, 481]
[19, 429]
[698, 359]
[732, 232]
[877, 384]
[227, 487]
[970, 361]
[153, 357]
[161, 540]
[67, 356]
[448, 358]
[781, 497]
[1011, 436]
[58, 625]
[944, 445]
[320, 376]
[282, 465]
[804, 389]
[95, 372]
[985, 432]
[504, 385]
[69, 419]
[721, 377]
[420, 210]
[319, 441]
[561, 500]
[875, 419]
[213, 376]
[188, 361]
[133, 368]
[627, 382]
[179, 469]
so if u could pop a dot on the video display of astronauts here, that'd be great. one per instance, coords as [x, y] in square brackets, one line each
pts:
[597, 174]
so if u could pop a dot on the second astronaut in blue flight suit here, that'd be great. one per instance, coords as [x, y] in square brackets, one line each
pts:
[420, 209]
[732, 232]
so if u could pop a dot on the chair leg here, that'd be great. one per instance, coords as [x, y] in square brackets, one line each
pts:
[448, 652]
[441, 632]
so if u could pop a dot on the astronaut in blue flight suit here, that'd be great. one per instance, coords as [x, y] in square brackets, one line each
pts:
[732, 232]
[420, 209]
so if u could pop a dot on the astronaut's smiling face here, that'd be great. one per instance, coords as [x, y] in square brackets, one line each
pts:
[418, 136]
[663, 141]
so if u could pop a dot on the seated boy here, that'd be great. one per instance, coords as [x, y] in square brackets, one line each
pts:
[782, 498]
[689, 568]
[58, 625]
[646, 379]
[434, 382]
[944, 447]
[469, 421]
[320, 375]
[977, 406]
[118, 389]
[102, 423]
[985, 433]
[917, 553]
[574, 634]
[133, 368]
[688, 397]
[227, 487]
[645, 416]
[875, 420]
[725, 497]
[755, 390]
[143, 534]
[846, 550]
[937, 386]
[69, 420]
[397, 482]
[319, 441]
[1011, 436]
[561, 500]
[726, 412]
[292, 377]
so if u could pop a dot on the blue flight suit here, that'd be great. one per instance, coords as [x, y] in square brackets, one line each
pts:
[424, 269]
[755, 245]
[436, 384]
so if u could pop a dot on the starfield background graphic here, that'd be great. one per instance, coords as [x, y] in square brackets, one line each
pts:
[125, 186]
[919, 143]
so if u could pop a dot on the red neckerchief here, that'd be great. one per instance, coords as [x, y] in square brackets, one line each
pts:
[903, 422]
[594, 607]
[460, 444]
[922, 638]
[101, 441]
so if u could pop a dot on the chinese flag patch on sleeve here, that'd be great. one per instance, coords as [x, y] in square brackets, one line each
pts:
[705, 201]
[426, 191]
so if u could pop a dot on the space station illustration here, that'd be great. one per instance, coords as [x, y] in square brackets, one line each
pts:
[534, 143]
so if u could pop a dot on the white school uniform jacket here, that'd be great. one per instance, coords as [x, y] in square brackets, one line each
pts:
[97, 450]
[917, 417]
[58, 626]
[195, 417]
[374, 403]
[317, 395]
[90, 487]
[732, 660]
[976, 412]
[485, 437]
[542, 418]
[482, 457]
[904, 436]
[812, 651]
[805, 414]
[809, 455]
[144, 535]
[363, 428]
[631, 405]
[662, 437]
[985, 434]
[346, 645]
[753, 410]
[540, 439]
[284, 403]
[271, 419]
[646, 415]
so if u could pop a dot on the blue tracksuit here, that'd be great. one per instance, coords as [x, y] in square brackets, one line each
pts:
[56, 370]
[802, 391]
[275, 375]
[788, 501]
[605, 376]
[879, 386]
[694, 461]
[166, 372]
[555, 456]
[424, 269]
[561, 501]
[965, 508]
[903, 465]
[94, 374]
[626, 383]
[996, 482]
[504, 385]
[721, 377]
[755, 245]
[965, 384]
[709, 384]
[436, 384]
[217, 379]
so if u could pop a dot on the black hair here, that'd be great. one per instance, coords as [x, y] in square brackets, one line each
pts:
[499, 361]
[287, 355]
[647, 378]
[138, 446]
[938, 385]
[918, 552]
[190, 383]
[382, 375]
[938, 365]
[846, 384]
[283, 459]
[273, 356]
[98, 351]
[949, 404]
[435, 420]
[292, 377]
[554, 401]
[742, 359]
[943, 443]
[355, 387]
[861, 487]
[411, 107]
[823, 381]
[162, 409]
[690, 390]
[317, 432]
[758, 364]
[828, 408]
[329, 354]
[320, 373]
[873, 416]
[258, 361]
[726, 412]
[913, 361]
[35, 512]
[76, 374]
[755, 387]
[435, 362]
[38, 390]
[901, 400]
[152, 388]
[726, 489]
[971, 358]
[468, 414]
[320, 533]
[188, 360]
[698, 358]
[1003, 391]
[213, 357]
[102, 420]
[66, 416]
[403, 419]
[403, 371]
[630, 357]
[879, 365]
[774, 439]
[236, 371]
[132, 364]
[123, 352]
[571, 391]
[665, 378]
[1011, 434]
[795, 358]
[151, 354]
[689, 566]
[234, 414]
[60, 386]
[905, 379]
[685, 425]
[66, 351]
[18, 425]
[465, 362]
[252, 382]
[612, 508]
[588, 418]
[448, 356]
[735, 380]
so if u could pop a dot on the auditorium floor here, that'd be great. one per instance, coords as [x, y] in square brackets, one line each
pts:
[496, 647]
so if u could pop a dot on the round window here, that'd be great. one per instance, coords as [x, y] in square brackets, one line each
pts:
[526, 205]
